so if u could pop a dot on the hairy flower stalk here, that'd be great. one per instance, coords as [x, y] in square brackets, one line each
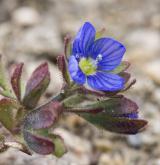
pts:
[95, 78]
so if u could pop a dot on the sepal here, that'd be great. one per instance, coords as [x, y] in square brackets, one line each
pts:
[62, 65]
[16, 80]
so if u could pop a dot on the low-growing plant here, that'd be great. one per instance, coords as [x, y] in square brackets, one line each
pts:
[94, 80]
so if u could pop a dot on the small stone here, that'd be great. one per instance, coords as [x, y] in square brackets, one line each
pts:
[135, 140]
[155, 20]
[75, 143]
[105, 159]
[156, 96]
[144, 84]
[103, 145]
[42, 39]
[26, 16]
[79, 150]
[152, 70]
[147, 39]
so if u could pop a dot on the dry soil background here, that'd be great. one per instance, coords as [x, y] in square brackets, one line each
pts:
[32, 31]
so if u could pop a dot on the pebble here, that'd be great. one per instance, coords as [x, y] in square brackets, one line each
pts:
[103, 145]
[25, 16]
[42, 39]
[80, 146]
[144, 40]
[106, 159]
[156, 96]
[155, 20]
[152, 70]
[135, 140]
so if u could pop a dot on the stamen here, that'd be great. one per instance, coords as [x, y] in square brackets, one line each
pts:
[98, 58]
[77, 56]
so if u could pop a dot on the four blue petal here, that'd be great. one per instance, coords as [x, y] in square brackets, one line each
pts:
[111, 53]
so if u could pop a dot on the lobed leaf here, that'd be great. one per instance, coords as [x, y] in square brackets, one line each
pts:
[36, 86]
[16, 80]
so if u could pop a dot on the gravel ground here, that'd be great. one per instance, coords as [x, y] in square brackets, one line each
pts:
[32, 31]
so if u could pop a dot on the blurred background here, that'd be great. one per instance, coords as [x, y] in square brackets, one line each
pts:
[32, 31]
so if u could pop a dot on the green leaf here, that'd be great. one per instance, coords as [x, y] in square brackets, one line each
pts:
[74, 100]
[36, 86]
[6, 113]
[3, 81]
[60, 148]
[122, 67]
[3, 147]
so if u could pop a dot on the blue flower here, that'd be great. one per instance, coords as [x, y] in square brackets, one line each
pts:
[92, 61]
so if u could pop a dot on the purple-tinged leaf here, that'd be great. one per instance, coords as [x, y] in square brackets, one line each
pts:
[44, 116]
[116, 124]
[129, 85]
[39, 144]
[67, 46]
[16, 80]
[115, 107]
[119, 106]
[126, 76]
[74, 100]
[121, 68]
[6, 113]
[62, 65]
[36, 86]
